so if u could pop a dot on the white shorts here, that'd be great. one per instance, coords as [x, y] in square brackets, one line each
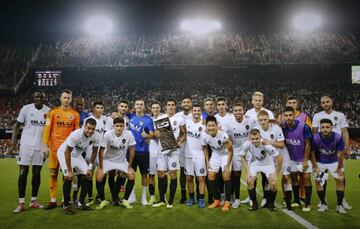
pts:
[88, 152]
[112, 165]
[286, 167]
[77, 163]
[168, 161]
[152, 163]
[216, 162]
[331, 168]
[195, 167]
[182, 159]
[297, 167]
[29, 156]
[236, 162]
[255, 168]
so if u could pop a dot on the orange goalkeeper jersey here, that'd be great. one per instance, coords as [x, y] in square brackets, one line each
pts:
[59, 124]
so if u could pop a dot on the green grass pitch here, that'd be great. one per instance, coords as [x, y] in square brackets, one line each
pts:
[178, 217]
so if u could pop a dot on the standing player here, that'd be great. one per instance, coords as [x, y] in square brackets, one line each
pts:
[168, 160]
[60, 122]
[185, 114]
[340, 127]
[261, 162]
[273, 135]
[238, 130]
[194, 156]
[328, 155]
[32, 116]
[116, 142]
[258, 102]
[142, 128]
[154, 149]
[222, 153]
[209, 108]
[298, 142]
[70, 159]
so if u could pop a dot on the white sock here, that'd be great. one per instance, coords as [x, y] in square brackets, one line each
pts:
[21, 200]
[144, 192]
[53, 200]
[33, 198]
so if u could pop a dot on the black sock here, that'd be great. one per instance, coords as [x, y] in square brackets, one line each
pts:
[90, 189]
[308, 191]
[213, 189]
[151, 189]
[321, 195]
[161, 187]
[197, 189]
[324, 186]
[208, 187]
[252, 194]
[66, 192]
[201, 196]
[288, 198]
[227, 190]
[128, 188]
[100, 190]
[296, 193]
[166, 185]
[220, 184]
[118, 183]
[264, 181]
[272, 197]
[23, 173]
[191, 195]
[84, 186]
[36, 169]
[173, 186]
[183, 193]
[183, 182]
[236, 186]
[340, 197]
[112, 186]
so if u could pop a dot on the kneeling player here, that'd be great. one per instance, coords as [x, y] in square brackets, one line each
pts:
[328, 155]
[70, 158]
[221, 157]
[116, 142]
[261, 162]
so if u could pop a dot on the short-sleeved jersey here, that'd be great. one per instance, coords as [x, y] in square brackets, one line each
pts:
[252, 114]
[184, 116]
[217, 143]
[223, 121]
[239, 132]
[110, 122]
[137, 126]
[79, 142]
[100, 124]
[274, 133]
[117, 146]
[261, 155]
[194, 131]
[338, 119]
[34, 122]
[59, 124]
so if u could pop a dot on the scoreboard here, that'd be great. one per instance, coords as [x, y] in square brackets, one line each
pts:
[47, 78]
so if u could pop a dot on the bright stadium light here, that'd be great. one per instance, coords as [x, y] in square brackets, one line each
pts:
[99, 26]
[307, 21]
[200, 26]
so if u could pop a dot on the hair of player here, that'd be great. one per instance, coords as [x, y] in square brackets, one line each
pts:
[326, 120]
[254, 131]
[155, 102]
[210, 119]
[67, 91]
[238, 104]
[139, 99]
[262, 113]
[258, 93]
[39, 91]
[196, 105]
[170, 100]
[326, 96]
[186, 97]
[96, 103]
[79, 99]
[90, 121]
[208, 99]
[291, 97]
[123, 101]
[288, 109]
[220, 99]
[118, 120]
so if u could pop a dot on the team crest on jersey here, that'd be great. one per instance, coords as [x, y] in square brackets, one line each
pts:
[336, 118]
[219, 142]
[202, 170]
[271, 136]
[174, 130]
[104, 122]
[173, 164]
[123, 141]
[71, 117]
[90, 142]
[31, 114]
[141, 123]
[288, 169]
[247, 127]
[200, 128]
[263, 152]
[174, 123]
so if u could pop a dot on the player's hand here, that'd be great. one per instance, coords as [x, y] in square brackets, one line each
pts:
[305, 165]
[266, 142]
[227, 169]
[340, 173]
[348, 152]
[317, 170]
[89, 174]
[70, 176]
[157, 134]
[130, 170]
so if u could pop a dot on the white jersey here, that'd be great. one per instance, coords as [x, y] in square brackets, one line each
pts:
[100, 123]
[110, 121]
[252, 114]
[184, 116]
[261, 155]
[79, 142]
[274, 133]
[223, 121]
[338, 119]
[239, 132]
[154, 144]
[176, 122]
[117, 146]
[34, 122]
[216, 143]
[193, 147]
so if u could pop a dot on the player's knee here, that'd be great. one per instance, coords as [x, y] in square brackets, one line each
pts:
[173, 175]
[212, 176]
[131, 176]
[226, 176]
[36, 170]
[161, 174]
[190, 179]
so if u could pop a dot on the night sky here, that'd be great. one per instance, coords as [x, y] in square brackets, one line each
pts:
[31, 21]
